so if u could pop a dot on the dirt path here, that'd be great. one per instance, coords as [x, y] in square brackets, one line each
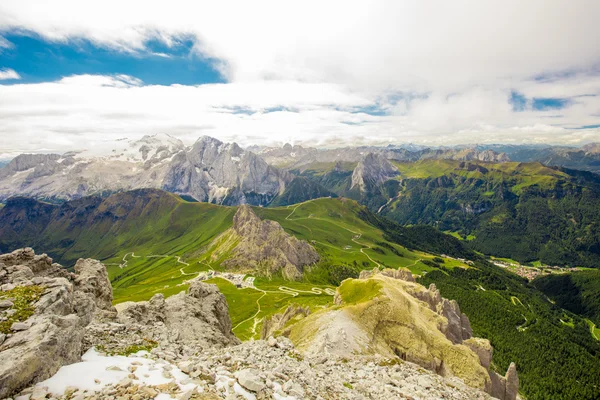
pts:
[362, 250]
[124, 264]
[314, 290]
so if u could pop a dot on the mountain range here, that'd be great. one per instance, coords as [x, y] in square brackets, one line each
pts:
[209, 170]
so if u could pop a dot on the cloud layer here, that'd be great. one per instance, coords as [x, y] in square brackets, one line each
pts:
[322, 72]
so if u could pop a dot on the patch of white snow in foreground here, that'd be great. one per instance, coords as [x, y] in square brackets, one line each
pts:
[93, 365]
[112, 369]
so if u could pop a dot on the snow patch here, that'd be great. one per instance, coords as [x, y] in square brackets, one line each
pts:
[93, 366]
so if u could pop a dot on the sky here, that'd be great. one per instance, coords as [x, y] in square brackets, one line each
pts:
[316, 73]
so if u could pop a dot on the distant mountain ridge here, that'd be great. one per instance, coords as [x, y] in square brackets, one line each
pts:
[297, 157]
[209, 170]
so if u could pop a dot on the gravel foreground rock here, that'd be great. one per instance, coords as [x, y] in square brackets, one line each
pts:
[265, 370]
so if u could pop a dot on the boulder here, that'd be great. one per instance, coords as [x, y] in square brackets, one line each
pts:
[250, 379]
[92, 279]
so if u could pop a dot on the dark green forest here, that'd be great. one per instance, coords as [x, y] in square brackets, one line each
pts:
[578, 292]
[555, 359]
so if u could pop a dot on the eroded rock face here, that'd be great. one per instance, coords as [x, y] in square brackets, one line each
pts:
[388, 313]
[266, 247]
[61, 305]
[458, 327]
[277, 322]
[371, 171]
[199, 318]
[92, 278]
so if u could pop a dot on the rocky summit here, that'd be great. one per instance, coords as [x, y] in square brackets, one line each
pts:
[386, 337]
[263, 245]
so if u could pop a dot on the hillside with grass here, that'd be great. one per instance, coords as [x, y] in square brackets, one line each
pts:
[523, 211]
[156, 242]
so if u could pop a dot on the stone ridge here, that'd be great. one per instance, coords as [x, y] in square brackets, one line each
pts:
[401, 318]
[264, 246]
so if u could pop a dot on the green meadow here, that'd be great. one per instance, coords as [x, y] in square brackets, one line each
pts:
[160, 254]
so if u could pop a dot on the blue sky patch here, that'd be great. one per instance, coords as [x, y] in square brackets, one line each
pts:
[544, 104]
[518, 101]
[38, 60]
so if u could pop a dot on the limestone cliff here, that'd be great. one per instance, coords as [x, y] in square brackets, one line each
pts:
[264, 246]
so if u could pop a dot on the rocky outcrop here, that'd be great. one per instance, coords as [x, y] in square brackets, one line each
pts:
[400, 273]
[198, 319]
[372, 171]
[458, 327]
[44, 327]
[388, 313]
[92, 279]
[276, 323]
[264, 246]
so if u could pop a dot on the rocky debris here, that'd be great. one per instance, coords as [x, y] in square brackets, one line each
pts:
[264, 246]
[250, 379]
[47, 319]
[258, 370]
[372, 171]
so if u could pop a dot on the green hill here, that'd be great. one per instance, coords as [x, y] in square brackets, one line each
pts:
[578, 292]
[522, 211]
[153, 241]
[301, 189]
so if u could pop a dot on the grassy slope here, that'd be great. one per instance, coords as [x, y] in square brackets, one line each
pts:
[521, 175]
[145, 234]
[524, 211]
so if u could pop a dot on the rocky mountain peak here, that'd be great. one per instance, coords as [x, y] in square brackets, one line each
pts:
[372, 170]
[591, 148]
[264, 246]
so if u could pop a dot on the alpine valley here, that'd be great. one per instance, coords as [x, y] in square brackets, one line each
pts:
[214, 271]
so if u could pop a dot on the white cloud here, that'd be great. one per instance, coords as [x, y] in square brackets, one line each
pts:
[456, 62]
[81, 111]
[7, 73]
[5, 44]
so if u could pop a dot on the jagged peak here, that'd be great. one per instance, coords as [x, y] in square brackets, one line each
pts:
[205, 139]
